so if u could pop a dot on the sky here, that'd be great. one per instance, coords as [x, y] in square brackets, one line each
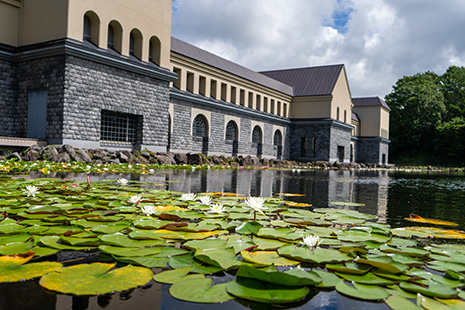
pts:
[378, 41]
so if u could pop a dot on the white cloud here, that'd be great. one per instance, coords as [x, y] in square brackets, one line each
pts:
[379, 41]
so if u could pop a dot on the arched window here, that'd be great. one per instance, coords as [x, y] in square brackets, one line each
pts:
[345, 116]
[115, 34]
[200, 126]
[278, 138]
[91, 27]
[337, 113]
[135, 43]
[231, 131]
[257, 135]
[155, 50]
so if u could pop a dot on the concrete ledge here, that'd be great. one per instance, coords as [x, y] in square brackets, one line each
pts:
[21, 142]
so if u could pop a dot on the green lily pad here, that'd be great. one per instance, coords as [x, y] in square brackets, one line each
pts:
[384, 263]
[265, 244]
[121, 240]
[367, 278]
[146, 261]
[352, 268]
[328, 279]
[292, 277]
[444, 266]
[434, 289]
[137, 252]
[176, 275]
[95, 279]
[397, 302]
[318, 255]
[223, 258]
[264, 292]
[362, 291]
[248, 228]
[266, 258]
[187, 260]
[200, 291]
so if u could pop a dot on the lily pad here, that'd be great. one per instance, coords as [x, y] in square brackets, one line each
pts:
[176, 275]
[264, 292]
[13, 268]
[362, 291]
[317, 256]
[95, 279]
[434, 289]
[200, 291]
[292, 277]
[267, 258]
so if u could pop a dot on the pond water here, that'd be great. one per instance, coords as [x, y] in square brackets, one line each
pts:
[391, 196]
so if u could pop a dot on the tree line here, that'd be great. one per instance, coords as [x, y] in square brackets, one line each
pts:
[427, 120]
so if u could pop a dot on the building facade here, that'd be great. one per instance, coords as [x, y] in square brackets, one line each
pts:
[108, 74]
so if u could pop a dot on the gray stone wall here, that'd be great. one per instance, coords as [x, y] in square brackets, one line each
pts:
[371, 150]
[322, 135]
[41, 74]
[181, 139]
[91, 88]
[8, 107]
[340, 137]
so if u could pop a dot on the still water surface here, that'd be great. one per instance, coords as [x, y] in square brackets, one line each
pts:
[391, 196]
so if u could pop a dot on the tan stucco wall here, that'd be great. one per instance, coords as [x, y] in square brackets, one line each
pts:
[374, 121]
[42, 20]
[9, 21]
[311, 107]
[35, 21]
[151, 18]
[342, 99]
[198, 71]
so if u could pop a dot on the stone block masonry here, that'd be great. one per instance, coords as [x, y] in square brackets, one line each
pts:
[8, 108]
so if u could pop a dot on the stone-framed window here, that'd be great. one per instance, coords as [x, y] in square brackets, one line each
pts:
[119, 128]
[200, 126]
[257, 135]
[232, 133]
[307, 147]
[278, 138]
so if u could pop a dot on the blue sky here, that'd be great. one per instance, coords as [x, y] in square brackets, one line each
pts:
[379, 41]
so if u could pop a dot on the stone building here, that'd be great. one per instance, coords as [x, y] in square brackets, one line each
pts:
[108, 74]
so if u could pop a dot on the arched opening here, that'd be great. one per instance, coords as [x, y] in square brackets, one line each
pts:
[345, 116]
[278, 141]
[91, 28]
[155, 50]
[115, 36]
[337, 113]
[135, 43]
[257, 138]
[232, 134]
[200, 129]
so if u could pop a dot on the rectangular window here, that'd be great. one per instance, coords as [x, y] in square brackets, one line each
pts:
[233, 94]
[258, 103]
[285, 110]
[250, 99]
[177, 83]
[213, 89]
[190, 82]
[202, 85]
[307, 147]
[118, 128]
[278, 109]
[224, 91]
[265, 104]
[272, 106]
[242, 98]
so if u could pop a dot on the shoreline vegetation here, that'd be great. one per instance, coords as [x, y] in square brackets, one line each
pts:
[66, 158]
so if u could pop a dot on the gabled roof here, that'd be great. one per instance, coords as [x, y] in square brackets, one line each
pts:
[370, 102]
[310, 81]
[193, 52]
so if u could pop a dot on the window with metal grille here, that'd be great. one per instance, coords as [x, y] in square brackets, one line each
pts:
[257, 135]
[231, 131]
[118, 127]
[199, 127]
[308, 147]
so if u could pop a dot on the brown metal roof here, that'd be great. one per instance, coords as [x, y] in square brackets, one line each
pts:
[370, 102]
[191, 51]
[311, 81]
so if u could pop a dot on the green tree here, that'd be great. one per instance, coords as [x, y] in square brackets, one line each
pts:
[453, 89]
[450, 141]
[417, 107]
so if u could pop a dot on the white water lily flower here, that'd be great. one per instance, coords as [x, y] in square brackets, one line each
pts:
[122, 182]
[148, 209]
[216, 208]
[255, 204]
[135, 198]
[31, 190]
[188, 196]
[312, 241]
[206, 200]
